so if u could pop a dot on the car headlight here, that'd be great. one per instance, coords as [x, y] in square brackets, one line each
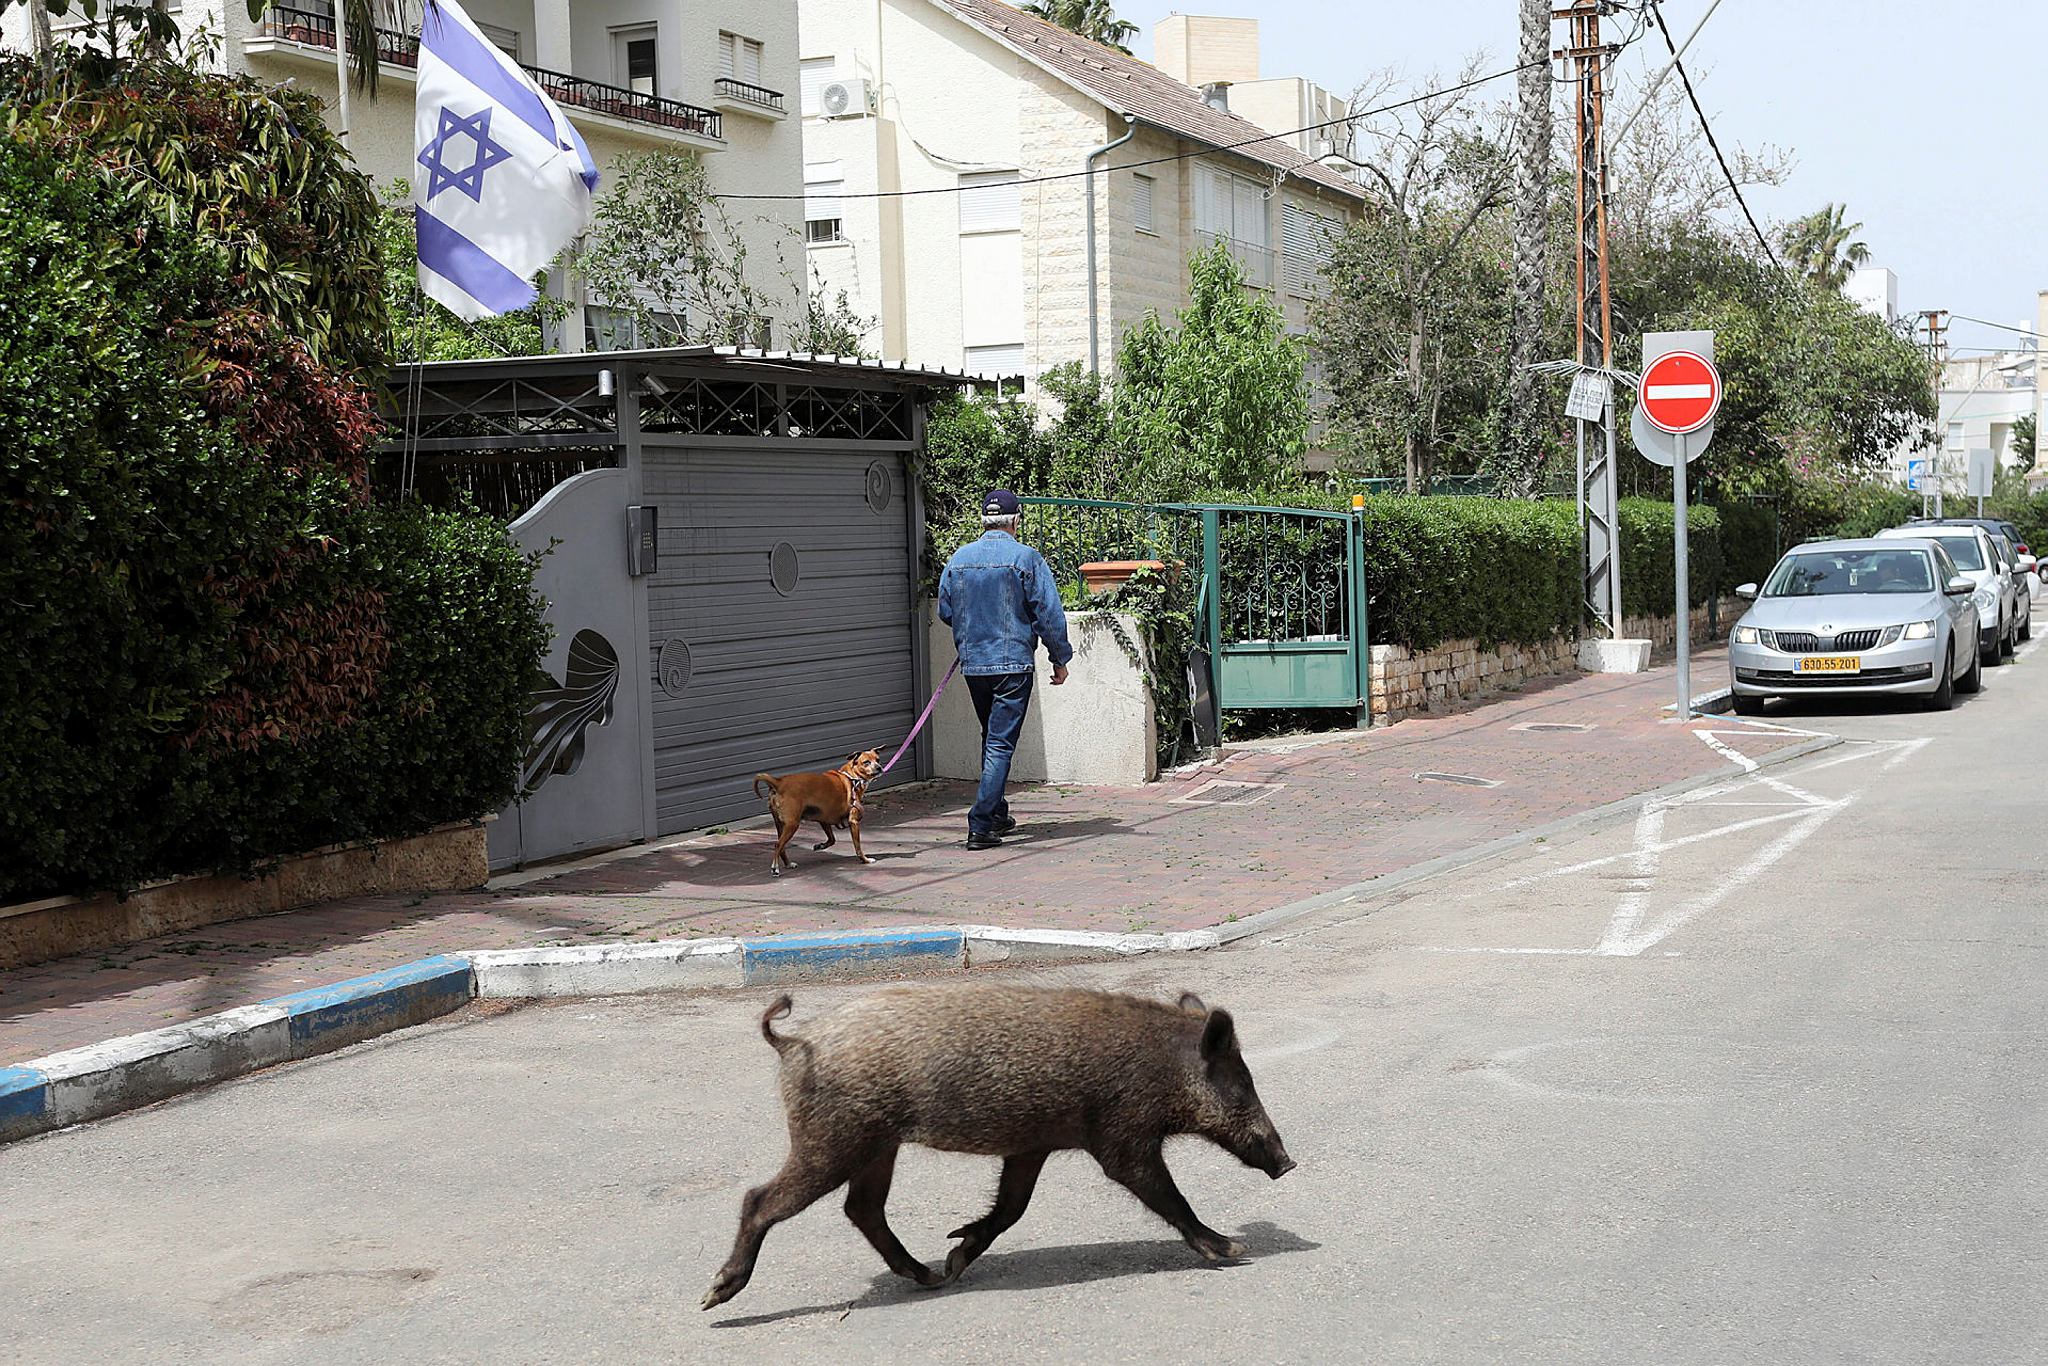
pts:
[1748, 635]
[1920, 630]
[1985, 599]
[1891, 633]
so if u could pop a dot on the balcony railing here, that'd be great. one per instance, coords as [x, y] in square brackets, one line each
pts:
[753, 94]
[316, 29]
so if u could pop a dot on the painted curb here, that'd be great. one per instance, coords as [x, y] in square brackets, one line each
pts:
[122, 1074]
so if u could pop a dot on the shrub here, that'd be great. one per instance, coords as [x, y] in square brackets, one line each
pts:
[1649, 569]
[1749, 543]
[218, 651]
[1443, 568]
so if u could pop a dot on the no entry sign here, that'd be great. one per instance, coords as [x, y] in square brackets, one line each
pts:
[1681, 392]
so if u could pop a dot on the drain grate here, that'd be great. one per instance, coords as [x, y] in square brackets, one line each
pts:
[1553, 727]
[1224, 792]
[1461, 779]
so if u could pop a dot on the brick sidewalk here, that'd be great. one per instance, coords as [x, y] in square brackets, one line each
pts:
[1318, 815]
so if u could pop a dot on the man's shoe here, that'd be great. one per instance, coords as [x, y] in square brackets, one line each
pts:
[983, 839]
[1004, 826]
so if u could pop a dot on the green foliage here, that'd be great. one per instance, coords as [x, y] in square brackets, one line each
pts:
[218, 650]
[1164, 605]
[1649, 569]
[250, 167]
[1094, 20]
[1220, 396]
[1820, 246]
[1749, 542]
[1496, 570]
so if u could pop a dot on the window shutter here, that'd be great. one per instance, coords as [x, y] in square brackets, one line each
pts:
[995, 361]
[750, 61]
[727, 65]
[1141, 202]
[990, 202]
[1304, 247]
[1248, 213]
[814, 73]
[824, 182]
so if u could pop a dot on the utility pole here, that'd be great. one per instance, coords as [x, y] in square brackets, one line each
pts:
[1934, 322]
[1596, 448]
[1532, 195]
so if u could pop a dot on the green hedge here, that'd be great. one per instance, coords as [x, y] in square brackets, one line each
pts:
[218, 650]
[1444, 568]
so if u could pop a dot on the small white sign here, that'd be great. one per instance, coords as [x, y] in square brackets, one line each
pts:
[1589, 396]
[1980, 475]
[1916, 471]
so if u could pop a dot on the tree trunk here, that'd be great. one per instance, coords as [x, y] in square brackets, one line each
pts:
[1532, 188]
[41, 41]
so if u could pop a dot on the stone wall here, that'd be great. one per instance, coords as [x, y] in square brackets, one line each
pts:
[451, 858]
[1405, 682]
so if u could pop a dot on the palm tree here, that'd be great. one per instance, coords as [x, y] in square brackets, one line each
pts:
[1820, 248]
[1094, 20]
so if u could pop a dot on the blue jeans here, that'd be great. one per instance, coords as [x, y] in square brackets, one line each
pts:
[1000, 700]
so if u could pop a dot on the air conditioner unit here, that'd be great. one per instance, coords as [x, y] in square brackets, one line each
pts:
[846, 99]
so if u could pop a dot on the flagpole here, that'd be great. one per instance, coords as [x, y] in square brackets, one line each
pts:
[341, 66]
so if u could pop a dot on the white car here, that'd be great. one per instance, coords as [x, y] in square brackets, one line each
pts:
[2000, 600]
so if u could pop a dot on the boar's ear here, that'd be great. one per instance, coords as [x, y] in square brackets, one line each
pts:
[1190, 1001]
[1218, 1036]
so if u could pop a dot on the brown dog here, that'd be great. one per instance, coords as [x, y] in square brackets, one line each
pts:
[831, 798]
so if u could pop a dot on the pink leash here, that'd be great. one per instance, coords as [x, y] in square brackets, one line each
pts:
[926, 716]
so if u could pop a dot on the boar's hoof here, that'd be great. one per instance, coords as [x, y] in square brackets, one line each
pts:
[724, 1288]
[1224, 1250]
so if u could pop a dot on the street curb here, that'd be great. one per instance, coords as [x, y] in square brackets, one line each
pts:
[107, 1078]
[1387, 884]
[121, 1074]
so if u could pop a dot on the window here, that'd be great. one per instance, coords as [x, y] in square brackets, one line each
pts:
[506, 40]
[1002, 363]
[739, 59]
[1232, 209]
[1141, 202]
[623, 329]
[1304, 248]
[633, 59]
[990, 202]
[814, 74]
[824, 216]
[1955, 436]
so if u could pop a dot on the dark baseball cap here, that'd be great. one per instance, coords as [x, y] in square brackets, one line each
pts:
[1000, 503]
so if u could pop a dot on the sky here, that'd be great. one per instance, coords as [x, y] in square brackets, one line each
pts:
[1917, 116]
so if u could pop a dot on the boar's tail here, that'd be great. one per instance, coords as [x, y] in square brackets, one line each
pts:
[774, 784]
[778, 1009]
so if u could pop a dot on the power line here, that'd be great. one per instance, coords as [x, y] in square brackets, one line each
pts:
[1707, 128]
[2003, 327]
[1160, 161]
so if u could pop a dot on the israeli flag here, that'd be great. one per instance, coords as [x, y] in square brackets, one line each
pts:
[505, 182]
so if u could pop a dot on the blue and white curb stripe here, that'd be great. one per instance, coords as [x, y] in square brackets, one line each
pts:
[121, 1074]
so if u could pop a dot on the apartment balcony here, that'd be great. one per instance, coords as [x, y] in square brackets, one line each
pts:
[1256, 260]
[299, 33]
[748, 99]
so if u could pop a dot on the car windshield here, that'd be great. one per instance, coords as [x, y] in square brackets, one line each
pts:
[1966, 551]
[1824, 573]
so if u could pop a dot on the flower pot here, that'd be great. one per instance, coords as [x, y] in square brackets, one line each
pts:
[1103, 576]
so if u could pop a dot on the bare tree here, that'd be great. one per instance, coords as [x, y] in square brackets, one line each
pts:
[1435, 169]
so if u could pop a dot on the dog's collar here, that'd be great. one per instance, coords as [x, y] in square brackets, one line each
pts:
[857, 785]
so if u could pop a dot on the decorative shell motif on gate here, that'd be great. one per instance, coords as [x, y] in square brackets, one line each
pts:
[559, 714]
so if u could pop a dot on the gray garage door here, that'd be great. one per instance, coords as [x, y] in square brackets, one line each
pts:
[780, 621]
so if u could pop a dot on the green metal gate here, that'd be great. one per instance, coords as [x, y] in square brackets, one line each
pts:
[1281, 591]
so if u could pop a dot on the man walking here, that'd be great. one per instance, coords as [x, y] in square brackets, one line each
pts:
[1000, 599]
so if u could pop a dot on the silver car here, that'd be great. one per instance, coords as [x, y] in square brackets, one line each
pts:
[1870, 616]
[1983, 559]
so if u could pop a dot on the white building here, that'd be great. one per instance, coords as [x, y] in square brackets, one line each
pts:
[922, 117]
[633, 75]
[1875, 289]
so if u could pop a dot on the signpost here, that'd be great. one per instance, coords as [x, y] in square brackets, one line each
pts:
[1681, 392]
[1978, 476]
[1916, 476]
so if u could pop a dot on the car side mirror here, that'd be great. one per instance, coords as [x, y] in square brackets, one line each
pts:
[1959, 587]
[1746, 591]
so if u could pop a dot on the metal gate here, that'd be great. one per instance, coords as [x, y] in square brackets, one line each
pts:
[779, 622]
[1280, 592]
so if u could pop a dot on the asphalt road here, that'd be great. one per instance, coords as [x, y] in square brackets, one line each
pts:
[1756, 1076]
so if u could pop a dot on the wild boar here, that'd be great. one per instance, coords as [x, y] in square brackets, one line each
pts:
[1007, 1071]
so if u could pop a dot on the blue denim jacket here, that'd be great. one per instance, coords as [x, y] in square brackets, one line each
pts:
[1000, 599]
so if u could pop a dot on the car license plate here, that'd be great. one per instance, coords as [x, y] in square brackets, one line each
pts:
[1831, 664]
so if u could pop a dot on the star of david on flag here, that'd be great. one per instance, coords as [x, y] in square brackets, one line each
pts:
[508, 181]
